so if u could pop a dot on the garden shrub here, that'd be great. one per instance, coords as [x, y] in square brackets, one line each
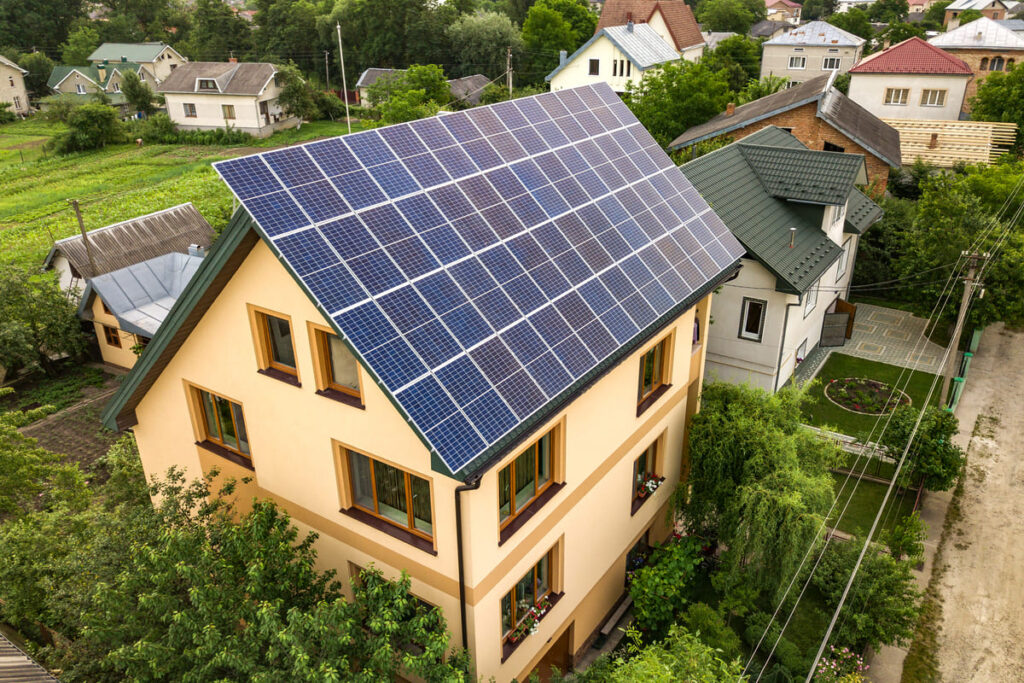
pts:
[660, 589]
[6, 115]
[786, 652]
[702, 620]
[90, 126]
[159, 129]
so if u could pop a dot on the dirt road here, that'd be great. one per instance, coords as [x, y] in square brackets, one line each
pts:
[982, 635]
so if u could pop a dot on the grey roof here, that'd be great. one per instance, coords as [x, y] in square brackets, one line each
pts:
[861, 213]
[136, 240]
[767, 27]
[18, 667]
[370, 76]
[980, 33]
[713, 38]
[972, 4]
[1015, 25]
[7, 62]
[835, 108]
[817, 33]
[640, 43]
[141, 295]
[233, 78]
[761, 220]
[469, 89]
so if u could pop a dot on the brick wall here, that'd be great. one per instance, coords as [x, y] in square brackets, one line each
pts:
[813, 132]
[973, 58]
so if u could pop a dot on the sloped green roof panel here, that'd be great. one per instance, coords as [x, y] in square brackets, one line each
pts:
[803, 175]
[132, 52]
[861, 213]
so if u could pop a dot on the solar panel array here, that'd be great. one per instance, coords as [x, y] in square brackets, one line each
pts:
[480, 262]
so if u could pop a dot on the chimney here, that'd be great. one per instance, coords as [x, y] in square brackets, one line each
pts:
[124, 60]
[730, 109]
[629, 17]
[233, 60]
[196, 250]
[563, 57]
[629, 26]
[792, 237]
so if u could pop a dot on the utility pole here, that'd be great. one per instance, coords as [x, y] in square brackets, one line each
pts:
[508, 69]
[954, 344]
[327, 67]
[85, 237]
[344, 85]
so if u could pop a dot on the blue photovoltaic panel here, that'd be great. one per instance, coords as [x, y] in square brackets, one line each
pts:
[482, 262]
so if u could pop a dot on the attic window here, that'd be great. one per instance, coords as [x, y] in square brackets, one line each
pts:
[207, 84]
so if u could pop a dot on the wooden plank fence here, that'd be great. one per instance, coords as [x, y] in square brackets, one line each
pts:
[943, 143]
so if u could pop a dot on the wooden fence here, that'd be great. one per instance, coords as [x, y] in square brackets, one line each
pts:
[943, 143]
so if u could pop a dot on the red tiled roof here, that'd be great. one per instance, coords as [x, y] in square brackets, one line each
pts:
[787, 3]
[677, 15]
[912, 56]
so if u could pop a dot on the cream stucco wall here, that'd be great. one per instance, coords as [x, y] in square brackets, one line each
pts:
[165, 62]
[123, 356]
[12, 89]
[868, 90]
[291, 431]
[577, 71]
[73, 80]
[775, 60]
[210, 114]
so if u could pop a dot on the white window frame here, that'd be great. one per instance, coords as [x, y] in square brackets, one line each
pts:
[837, 213]
[80, 88]
[117, 86]
[801, 59]
[844, 260]
[901, 101]
[811, 298]
[933, 98]
[745, 315]
[17, 102]
[801, 353]
[838, 61]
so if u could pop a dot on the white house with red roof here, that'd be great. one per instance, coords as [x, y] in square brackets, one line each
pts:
[911, 80]
[673, 20]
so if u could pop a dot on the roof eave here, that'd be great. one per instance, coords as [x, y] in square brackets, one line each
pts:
[744, 124]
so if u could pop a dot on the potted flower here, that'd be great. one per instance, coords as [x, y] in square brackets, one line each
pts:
[528, 626]
[649, 483]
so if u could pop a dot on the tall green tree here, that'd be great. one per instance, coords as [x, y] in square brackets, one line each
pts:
[80, 44]
[725, 15]
[41, 24]
[681, 656]
[137, 93]
[297, 97]
[898, 31]
[1001, 98]
[287, 31]
[37, 321]
[545, 33]
[889, 11]
[739, 57]
[39, 68]
[428, 78]
[217, 33]
[581, 18]
[480, 42]
[817, 9]
[933, 459]
[935, 15]
[676, 97]
[855, 21]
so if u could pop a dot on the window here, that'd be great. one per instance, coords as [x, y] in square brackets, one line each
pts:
[523, 480]
[207, 84]
[996, 64]
[896, 96]
[984, 64]
[223, 424]
[190, 110]
[829, 147]
[275, 348]
[79, 88]
[390, 494]
[830, 63]
[843, 258]
[837, 214]
[338, 369]
[653, 370]
[933, 98]
[797, 62]
[117, 87]
[833, 49]
[811, 299]
[645, 470]
[595, 67]
[801, 351]
[533, 590]
[792, 84]
[229, 110]
[637, 556]
[112, 335]
[17, 102]
[752, 318]
[10, 79]
[629, 69]
[615, 67]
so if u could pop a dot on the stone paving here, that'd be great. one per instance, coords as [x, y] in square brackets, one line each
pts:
[891, 336]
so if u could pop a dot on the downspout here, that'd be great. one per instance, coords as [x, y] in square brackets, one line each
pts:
[782, 343]
[472, 484]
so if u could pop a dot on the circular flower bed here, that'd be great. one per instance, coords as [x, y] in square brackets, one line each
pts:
[866, 396]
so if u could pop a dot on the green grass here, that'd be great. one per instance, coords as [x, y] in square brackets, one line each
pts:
[874, 466]
[309, 131]
[821, 412]
[866, 499]
[60, 392]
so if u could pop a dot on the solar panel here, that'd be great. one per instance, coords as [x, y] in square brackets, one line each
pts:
[482, 262]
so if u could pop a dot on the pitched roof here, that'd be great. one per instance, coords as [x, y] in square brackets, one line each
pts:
[767, 27]
[861, 212]
[640, 43]
[835, 108]
[469, 89]
[133, 52]
[92, 72]
[980, 33]
[678, 16]
[18, 667]
[1015, 25]
[233, 78]
[135, 240]
[370, 76]
[787, 3]
[743, 181]
[141, 295]
[476, 300]
[817, 33]
[972, 4]
[7, 62]
[713, 38]
[913, 56]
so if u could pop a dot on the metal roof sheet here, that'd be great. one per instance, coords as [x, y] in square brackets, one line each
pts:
[18, 667]
[640, 43]
[861, 212]
[980, 33]
[133, 52]
[804, 175]
[817, 33]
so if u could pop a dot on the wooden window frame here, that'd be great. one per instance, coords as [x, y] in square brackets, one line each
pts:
[595, 67]
[516, 514]
[264, 353]
[320, 349]
[896, 102]
[550, 557]
[112, 336]
[190, 110]
[225, 108]
[659, 384]
[941, 96]
[202, 428]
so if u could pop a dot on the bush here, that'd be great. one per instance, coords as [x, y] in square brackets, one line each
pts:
[60, 107]
[786, 652]
[159, 129]
[708, 625]
[90, 126]
[659, 590]
[6, 115]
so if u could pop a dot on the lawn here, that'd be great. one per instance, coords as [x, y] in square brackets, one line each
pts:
[821, 412]
[112, 184]
[867, 498]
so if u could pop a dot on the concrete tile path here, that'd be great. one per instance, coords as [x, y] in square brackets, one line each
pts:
[894, 337]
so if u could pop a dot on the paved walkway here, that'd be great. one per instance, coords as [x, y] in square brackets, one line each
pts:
[892, 336]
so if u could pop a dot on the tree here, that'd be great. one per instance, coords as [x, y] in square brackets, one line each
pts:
[725, 15]
[883, 605]
[37, 321]
[44, 23]
[660, 589]
[898, 31]
[768, 85]
[217, 33]
[80, 44]
[6, 115]
[137, 94]
[91, 126]
[906, 538]
[855, 21]
[681, 656]
[428, 78]
[889, 11]
[739, 57]
[39, 68]
[676, 97]
[296, 96]
[407, 105]
[480, 41]
[1001, 98]
[935, 15]
[579, 15]
[881, 247]
[545, 33]
[286, 30]
[708, 625]
[969, 15]
[818, 9]
[933, 458]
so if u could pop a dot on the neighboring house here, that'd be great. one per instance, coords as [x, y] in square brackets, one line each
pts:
[816, 114]
[126, 243]
[799, 216]
[18, 667]
[442, 380]
[127, 306]
[990, 9]
[769, 29]
[1015, 25]
[783, 10]
[810, 50]
[469, 89]
[12, 86]
[986, 46]
[239, 95]
[157, 58]
[672, 19]
[368, 78]
[911, 80]
[83, 83]
[847, 5]
[616, 55]
[713, 38]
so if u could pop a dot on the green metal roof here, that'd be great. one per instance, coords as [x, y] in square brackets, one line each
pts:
[745, 184]
[861, 213]
[92, 72]
[132, 52]
[803, 175]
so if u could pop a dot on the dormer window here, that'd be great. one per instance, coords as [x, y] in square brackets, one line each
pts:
[207, 84]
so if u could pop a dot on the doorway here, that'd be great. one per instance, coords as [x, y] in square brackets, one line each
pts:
[559, 656]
